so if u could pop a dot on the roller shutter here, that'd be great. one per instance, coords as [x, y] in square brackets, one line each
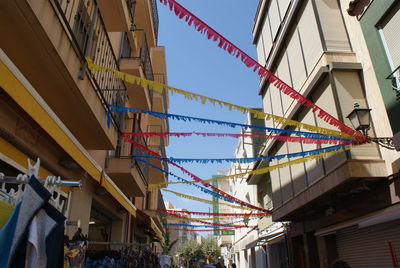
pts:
[369, 247]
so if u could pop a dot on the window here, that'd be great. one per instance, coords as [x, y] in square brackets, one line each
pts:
[389, 34]
[309, 36]
[261, 50]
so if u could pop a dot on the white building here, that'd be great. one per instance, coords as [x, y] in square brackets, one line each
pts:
[263, 243]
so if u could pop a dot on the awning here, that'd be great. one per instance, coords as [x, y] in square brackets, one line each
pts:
[265, 240]
[386, 216]
[23, 93]
[380, 216]
[151, 225]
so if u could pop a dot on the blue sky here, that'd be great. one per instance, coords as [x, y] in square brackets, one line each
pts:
[198, 65]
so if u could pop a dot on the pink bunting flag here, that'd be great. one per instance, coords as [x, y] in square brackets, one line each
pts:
[233, 50]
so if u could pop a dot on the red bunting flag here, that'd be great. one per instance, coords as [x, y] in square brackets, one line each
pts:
[205, 222]
[201, 230]
[194, 177]
[233, 50]
[174, 212]
[232, 135]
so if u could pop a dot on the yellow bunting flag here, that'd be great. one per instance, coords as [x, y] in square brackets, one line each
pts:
[205, 200]
[259, 171]
[158, 87]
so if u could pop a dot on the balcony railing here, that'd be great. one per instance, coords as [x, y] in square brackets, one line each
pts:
[142, 56]
[144, 168]
[145, 59]
[157, 142]
[154, 13]
[84, 24]
[162, 78]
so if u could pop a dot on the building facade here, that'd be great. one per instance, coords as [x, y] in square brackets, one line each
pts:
[263, 243]
[337, 206]
[55, 109]
[182, 236]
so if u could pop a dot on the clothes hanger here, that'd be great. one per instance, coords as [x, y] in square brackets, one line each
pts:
[4, 195]
[51, 185]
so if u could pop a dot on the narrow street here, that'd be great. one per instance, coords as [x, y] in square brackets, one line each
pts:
[199, 134]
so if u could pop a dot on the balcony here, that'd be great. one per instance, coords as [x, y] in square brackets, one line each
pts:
[130, 175]
[363, 178]
[60, 34]
[147, 18]
[127, 178]
[161, 100]
[118, 15]
[157, 144]
[138, 63]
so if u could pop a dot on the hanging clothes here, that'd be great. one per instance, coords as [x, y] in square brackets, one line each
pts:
[6, 210]
[7, 235]
[36, 230]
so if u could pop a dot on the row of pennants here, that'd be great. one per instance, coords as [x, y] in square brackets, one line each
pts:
[345, 137]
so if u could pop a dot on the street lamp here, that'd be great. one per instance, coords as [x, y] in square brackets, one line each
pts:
[360, 119]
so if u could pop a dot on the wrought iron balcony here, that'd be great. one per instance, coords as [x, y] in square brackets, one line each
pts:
[85, 26]
[154, 15]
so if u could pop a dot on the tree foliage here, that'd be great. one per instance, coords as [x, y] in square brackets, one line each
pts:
[193, 251]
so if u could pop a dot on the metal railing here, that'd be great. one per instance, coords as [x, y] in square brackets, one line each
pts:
[154, 13]
[162, 78]
[144, 168]
[142, 57]
[85, 27]
[145, 59]
[157, 142]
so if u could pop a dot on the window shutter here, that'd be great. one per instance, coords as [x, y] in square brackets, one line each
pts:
[274, 18]
[260, 50]
[283, 7]
[266, 33]
[309, 36]
[390, 31]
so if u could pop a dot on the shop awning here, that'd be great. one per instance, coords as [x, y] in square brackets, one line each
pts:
[377, 217]
[153, 228]
[23, 93]
[264, 240]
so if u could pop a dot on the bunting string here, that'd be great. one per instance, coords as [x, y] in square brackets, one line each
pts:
[233, 135]
[157, 87]
[310, 135]
[204, 222]
[257, 171]
[203, 189]
[204, 200]
[200, 230]
[247, 159]
[233, 50]
[173, 218]
[204, 226]
[196, 178]
[322, 154]
[175, 212]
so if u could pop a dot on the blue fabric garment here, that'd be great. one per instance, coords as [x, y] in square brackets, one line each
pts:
[35, 198]
[7, 235]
